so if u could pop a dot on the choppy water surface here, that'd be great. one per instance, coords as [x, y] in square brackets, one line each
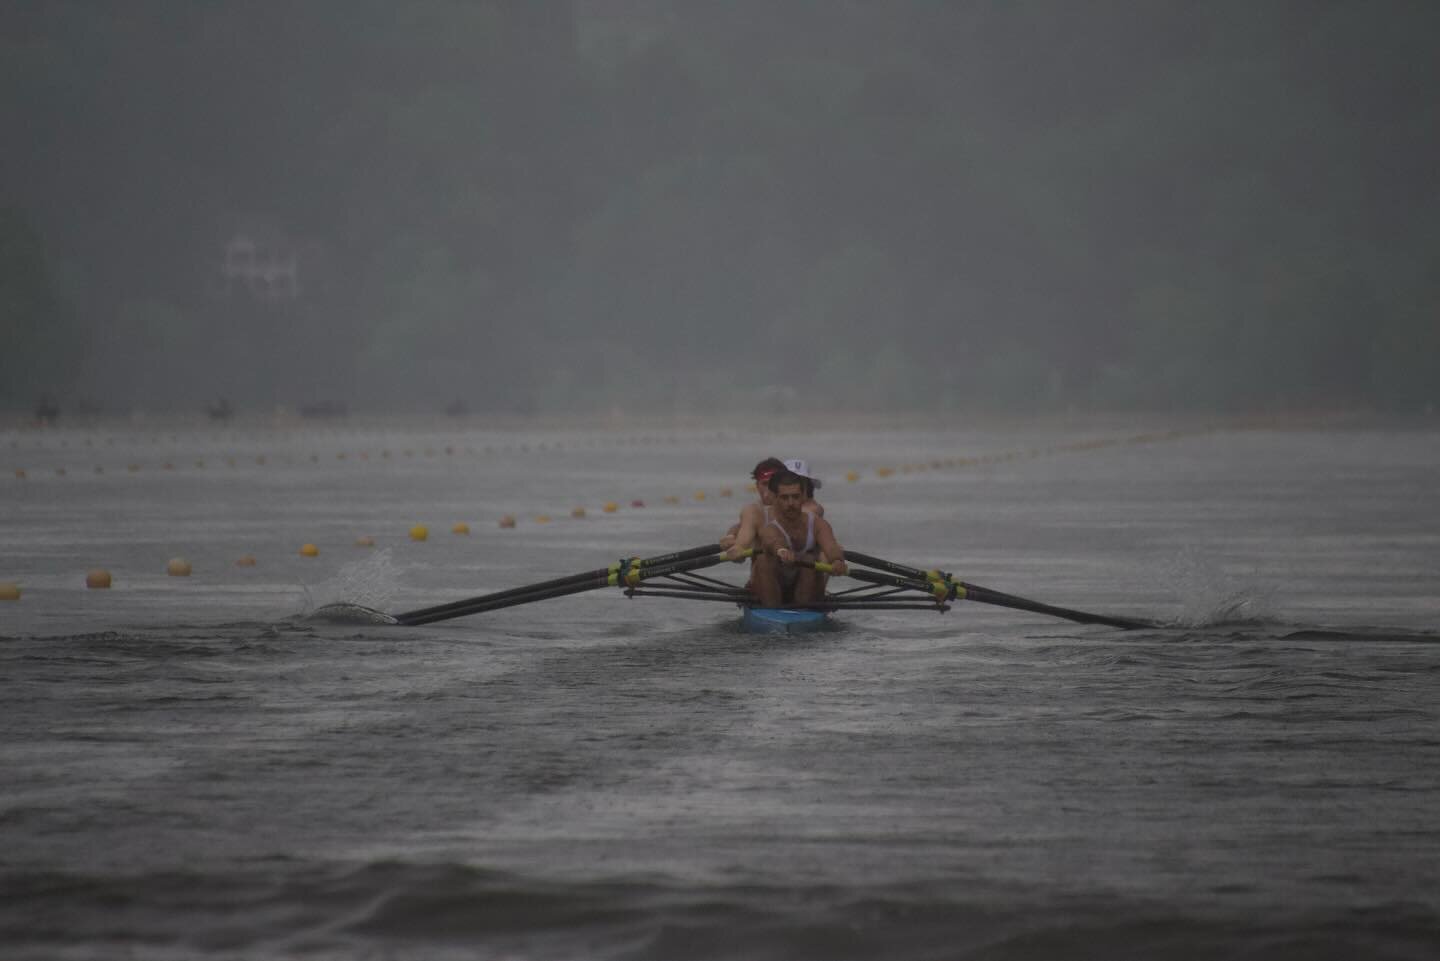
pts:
[191, 769]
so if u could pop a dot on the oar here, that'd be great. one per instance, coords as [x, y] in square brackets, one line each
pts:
[935, 589]
[558, 587]
[983, 595]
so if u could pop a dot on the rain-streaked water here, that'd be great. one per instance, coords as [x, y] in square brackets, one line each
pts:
[191, 769]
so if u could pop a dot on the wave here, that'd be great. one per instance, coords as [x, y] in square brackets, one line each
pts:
[400, 910]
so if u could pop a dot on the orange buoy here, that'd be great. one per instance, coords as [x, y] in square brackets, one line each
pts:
[245, 560]
[364, 540]
[98, 579]
[9, 592]
[542, 518]
[460, 528]
[852, 476]
[178, 567]
[508, 521]
[637, 503]
[309, 550]
[577, 512]
[610, 507]
[419, 532]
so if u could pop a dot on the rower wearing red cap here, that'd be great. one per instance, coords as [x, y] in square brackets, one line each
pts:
[756, 514]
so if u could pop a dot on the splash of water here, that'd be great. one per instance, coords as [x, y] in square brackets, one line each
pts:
[1209, 596]
[371, 582]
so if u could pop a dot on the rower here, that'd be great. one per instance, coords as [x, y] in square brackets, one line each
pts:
[755, 515]
[792, 534]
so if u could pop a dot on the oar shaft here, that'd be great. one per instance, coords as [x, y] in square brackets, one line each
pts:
[476, 605]
[984, 595]
[482, 605]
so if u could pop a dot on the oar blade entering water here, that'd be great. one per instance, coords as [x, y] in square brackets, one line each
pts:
[347, 613]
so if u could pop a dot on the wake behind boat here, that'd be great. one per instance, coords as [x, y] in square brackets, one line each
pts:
[884, 585]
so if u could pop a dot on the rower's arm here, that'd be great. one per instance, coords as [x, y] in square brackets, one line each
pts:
[829, 546]
[814, 507]
[770, 540]
[747, 531]
[727, 540]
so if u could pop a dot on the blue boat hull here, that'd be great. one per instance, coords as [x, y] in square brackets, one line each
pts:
[781, 620]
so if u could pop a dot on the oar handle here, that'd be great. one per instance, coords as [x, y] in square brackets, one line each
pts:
[937, 590]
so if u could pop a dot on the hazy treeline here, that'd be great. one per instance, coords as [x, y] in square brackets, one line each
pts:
[541, 206]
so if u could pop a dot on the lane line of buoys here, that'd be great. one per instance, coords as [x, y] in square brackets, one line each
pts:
[398, 452]
[888, 471]
[100, 579]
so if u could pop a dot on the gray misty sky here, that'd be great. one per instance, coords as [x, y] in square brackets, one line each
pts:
[556, 206]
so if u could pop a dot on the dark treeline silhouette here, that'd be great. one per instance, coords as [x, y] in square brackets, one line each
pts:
[554, 206]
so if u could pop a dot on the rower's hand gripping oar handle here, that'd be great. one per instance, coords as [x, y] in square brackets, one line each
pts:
[939, 591]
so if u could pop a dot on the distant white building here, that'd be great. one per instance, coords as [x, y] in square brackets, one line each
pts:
[268, 270]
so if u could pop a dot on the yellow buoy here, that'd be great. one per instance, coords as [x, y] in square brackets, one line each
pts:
[98, 579]
[9, 592]
[245, 560]
[577, 512]
[610, 507]
[542, 518]
[460, 528]
[852, 476]
[364, 540]
[178, 567]
[508, 521]
[699, 495]
[419, 532]
[309, 550]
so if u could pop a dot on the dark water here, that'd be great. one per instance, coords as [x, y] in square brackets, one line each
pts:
[191, 769]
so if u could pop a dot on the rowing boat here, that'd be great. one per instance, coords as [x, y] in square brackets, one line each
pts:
[884, 585]
[782, 620]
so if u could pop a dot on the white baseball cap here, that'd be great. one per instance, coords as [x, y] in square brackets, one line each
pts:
[802, 469]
